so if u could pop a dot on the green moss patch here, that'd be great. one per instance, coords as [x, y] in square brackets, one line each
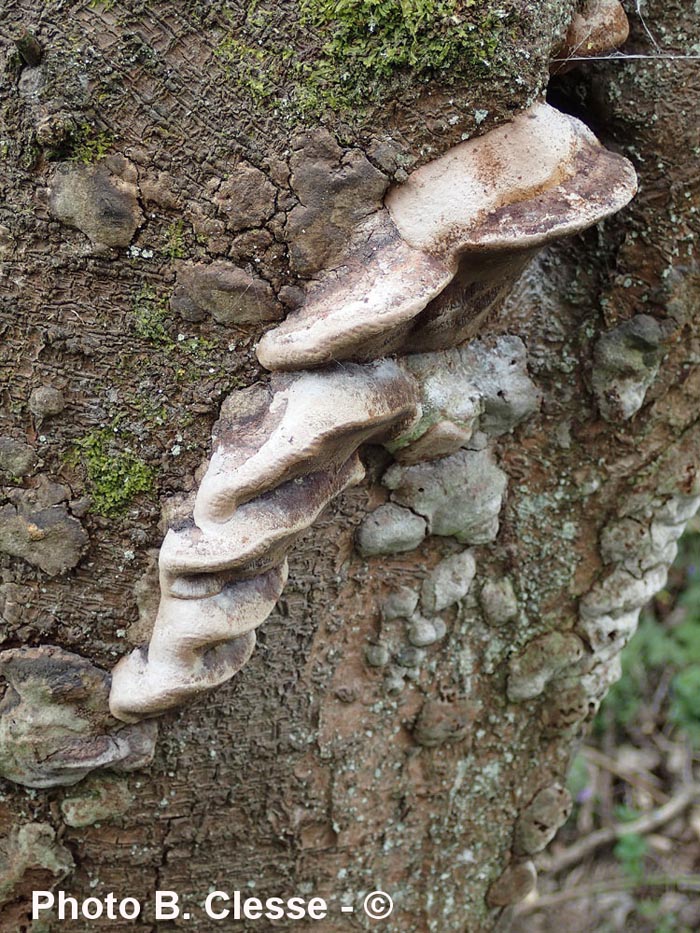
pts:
[373, 39]
[151, 318]
[355, 52]
[89, 145]
[115, 474]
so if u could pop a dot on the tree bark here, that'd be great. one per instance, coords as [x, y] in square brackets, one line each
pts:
[344, 758]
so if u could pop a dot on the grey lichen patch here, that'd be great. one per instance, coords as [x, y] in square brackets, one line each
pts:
[400, 604]
[514, 884]
[449, 582]
[442, 721]
[101, 200]
[48, 537]
[484, 383]
[101, 799]
[390, 529]
[31, 859]
[336, 191]
[55, 725]
[540, 661]
[230, 294]
[547, 508]
[541, 818]
[45, 401]
[459, 496]
[16, 457]
[626, 361]
[498, 601]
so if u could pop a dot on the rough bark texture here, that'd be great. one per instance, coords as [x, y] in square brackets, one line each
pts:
[315, 771]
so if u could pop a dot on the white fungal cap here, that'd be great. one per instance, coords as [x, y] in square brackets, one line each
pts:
[197, 644]
[314, 421]
[384, 285]
[282, 456]
[544, 175]
[472, 214]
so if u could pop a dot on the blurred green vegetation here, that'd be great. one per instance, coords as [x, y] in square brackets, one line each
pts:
[663, 655]
[654, 707]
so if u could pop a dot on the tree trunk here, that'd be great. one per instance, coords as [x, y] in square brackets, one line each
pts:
[174, 176]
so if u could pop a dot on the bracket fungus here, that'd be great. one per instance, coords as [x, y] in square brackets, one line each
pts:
[419, 274]
[513, 885]
[539, 821]
[55, 727]
[281, 456]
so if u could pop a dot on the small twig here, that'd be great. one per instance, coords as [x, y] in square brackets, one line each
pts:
[661, 692]
[640, 827]
[641, 779]
[678, 883]
[620, 57]
[604, 779]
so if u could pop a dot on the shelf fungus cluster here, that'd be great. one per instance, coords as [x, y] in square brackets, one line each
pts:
[383, 350]
[418, 278]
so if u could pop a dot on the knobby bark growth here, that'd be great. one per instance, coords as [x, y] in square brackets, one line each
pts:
[173, 176]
